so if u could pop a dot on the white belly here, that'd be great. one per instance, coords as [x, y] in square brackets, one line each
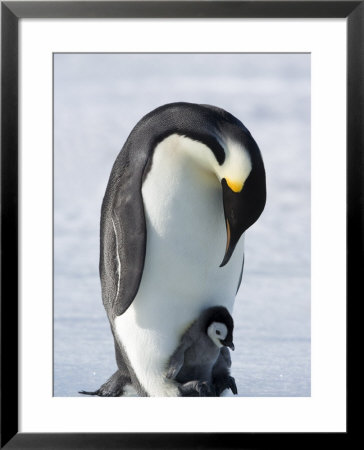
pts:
[186, 240]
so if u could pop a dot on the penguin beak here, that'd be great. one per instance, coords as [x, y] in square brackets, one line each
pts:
[242, 208]
[229, 344]
[232, 201]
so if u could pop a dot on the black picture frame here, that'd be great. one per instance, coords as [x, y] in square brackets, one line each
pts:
[11, 12]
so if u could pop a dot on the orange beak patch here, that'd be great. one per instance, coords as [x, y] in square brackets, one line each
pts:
[235, 186]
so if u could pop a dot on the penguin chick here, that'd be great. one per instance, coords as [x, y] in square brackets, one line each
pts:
[201, 362]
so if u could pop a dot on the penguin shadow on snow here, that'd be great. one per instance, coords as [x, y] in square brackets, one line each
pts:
[200, 365]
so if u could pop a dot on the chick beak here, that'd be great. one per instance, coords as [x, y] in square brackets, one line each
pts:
[229, 344]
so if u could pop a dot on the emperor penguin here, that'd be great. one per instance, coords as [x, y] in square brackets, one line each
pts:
[201, 362]
[187, 184]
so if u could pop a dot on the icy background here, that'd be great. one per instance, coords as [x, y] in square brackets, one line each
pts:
[97, 101]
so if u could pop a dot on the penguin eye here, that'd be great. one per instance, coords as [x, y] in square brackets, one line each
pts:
[218, 332]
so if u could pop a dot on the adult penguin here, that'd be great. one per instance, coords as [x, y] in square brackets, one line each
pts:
[187, 184]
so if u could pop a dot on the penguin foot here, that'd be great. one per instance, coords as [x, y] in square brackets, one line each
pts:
[206, 389]
[197, 389]
[223, 383]
[113, 387]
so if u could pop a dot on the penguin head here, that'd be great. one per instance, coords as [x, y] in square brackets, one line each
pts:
[221, 148]
[218, 333]
[242, 178]
[219, 326]
[232, 156]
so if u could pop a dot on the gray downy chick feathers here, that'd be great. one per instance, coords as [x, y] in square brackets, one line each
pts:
[201, 362]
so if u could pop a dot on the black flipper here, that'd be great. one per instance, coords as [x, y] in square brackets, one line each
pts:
[123, 236]
[176, 361]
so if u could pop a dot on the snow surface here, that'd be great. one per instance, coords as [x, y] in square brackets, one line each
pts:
[97, 101]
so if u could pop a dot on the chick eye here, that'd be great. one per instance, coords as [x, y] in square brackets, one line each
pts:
[218, 332]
